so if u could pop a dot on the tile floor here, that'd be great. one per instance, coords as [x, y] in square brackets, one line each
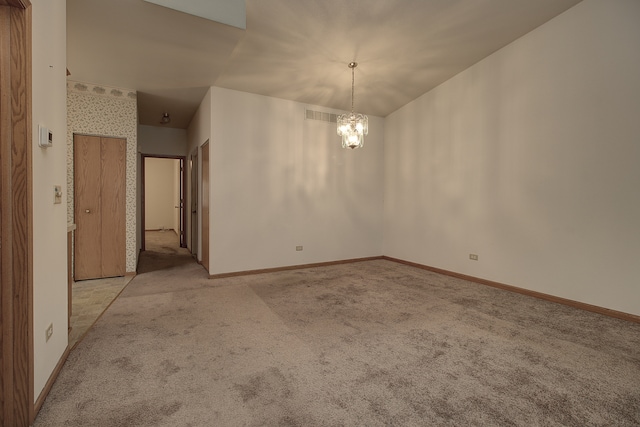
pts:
[90, 298]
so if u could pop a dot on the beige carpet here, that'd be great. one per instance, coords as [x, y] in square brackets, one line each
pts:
[162, 251]
[366, 344]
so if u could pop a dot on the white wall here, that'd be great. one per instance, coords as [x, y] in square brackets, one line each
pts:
[198, 133]
[531, 160]
[49, 169]
[162, 141]
[160, 190]
[278, 181]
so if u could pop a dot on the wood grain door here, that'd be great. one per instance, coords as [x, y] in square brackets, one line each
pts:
[205, 206]
[16, 225]
[194, 202]
[113, 201]
[99, 165]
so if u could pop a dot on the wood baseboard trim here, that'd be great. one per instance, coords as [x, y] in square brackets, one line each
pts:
[291, 267]
[540, 295]
[52, 379]
[130, 273]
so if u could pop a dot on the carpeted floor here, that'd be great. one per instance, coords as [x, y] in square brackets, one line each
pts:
[163, 251]
[92, 297]
[373, 343]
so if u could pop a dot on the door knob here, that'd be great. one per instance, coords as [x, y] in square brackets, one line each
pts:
[87, 211]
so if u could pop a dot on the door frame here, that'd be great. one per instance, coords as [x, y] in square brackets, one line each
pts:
[16, 230]
[205, 206]
[183, 194]
[193, 201]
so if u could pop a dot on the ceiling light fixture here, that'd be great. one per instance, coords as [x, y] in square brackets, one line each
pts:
[352, 127]
[165, 119]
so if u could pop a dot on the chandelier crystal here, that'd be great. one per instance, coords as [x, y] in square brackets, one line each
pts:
[352, 127]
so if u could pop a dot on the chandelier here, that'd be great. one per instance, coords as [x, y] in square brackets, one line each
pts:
[352, 127]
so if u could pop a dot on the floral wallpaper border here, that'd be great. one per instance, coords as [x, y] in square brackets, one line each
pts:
[102, 90]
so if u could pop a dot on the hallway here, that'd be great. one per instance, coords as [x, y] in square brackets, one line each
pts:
[162, 251]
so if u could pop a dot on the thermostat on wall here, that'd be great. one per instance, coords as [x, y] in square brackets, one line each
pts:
[46, 137]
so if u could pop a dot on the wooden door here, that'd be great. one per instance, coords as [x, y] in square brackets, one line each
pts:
[205, 205]
[88, 211]
[100, 235]
[182, 206]
[113, 201]
[194, 203]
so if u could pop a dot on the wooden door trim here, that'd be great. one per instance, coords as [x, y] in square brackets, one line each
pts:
[193, 179]
[143, 207]
[16, 254]
[205, 207]
[18, 4]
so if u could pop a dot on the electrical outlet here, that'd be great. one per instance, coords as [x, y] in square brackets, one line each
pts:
[48, 332]
[298, 248]
[473, 257]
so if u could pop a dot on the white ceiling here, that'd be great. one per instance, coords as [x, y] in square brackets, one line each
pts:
[291, 49]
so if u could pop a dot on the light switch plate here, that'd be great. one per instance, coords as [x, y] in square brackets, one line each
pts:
[57, 194]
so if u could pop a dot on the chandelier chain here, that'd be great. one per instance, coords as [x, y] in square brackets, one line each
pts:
[352, 87]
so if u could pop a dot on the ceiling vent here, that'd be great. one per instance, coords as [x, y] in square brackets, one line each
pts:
[322, 116]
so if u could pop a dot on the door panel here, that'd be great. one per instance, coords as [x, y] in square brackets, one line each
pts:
[88, 211]
[100, 184]
[182, 207]
[205, 206]
[194, 203]
[113, 188]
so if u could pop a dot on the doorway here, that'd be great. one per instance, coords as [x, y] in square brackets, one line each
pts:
[163, 197]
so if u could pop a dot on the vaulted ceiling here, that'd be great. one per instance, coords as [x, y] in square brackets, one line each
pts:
[291, 49]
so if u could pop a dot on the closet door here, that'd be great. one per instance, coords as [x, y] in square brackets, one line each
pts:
[99, 165]
[88, 211]
[113, 200]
